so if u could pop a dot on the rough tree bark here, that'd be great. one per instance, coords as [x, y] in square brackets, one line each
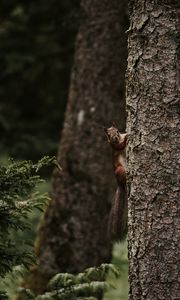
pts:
[153, 151]
[73, 234]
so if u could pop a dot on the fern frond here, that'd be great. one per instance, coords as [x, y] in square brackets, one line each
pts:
[62, 280]
[27, 294]
[74, 292]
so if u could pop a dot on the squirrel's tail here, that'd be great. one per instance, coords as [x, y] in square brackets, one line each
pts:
[117, 225]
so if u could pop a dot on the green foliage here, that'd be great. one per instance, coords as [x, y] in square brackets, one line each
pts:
[120, 259]
[3, 296]
[19, 180]
[87, 285]
[17, 200]
[46, 161]
[89, 275]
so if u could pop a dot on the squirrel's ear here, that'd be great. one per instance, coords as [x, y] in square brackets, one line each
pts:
[114, 124]
[105, 129]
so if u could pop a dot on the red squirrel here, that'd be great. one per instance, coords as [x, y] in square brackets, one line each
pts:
[117, 225]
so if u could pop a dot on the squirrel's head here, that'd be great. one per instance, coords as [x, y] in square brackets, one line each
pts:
[114, 136]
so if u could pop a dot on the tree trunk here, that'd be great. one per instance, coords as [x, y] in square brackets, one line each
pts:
[73, 236]
[153, 151]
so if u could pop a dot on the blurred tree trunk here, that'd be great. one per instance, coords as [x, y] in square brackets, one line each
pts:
[153, 151]
[72, 235]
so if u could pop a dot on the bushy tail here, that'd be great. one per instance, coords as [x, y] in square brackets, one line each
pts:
[117, 225]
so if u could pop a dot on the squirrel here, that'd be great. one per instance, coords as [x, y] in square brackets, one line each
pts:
[117, 225]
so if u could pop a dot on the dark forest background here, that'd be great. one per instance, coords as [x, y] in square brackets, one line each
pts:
[36, 53]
